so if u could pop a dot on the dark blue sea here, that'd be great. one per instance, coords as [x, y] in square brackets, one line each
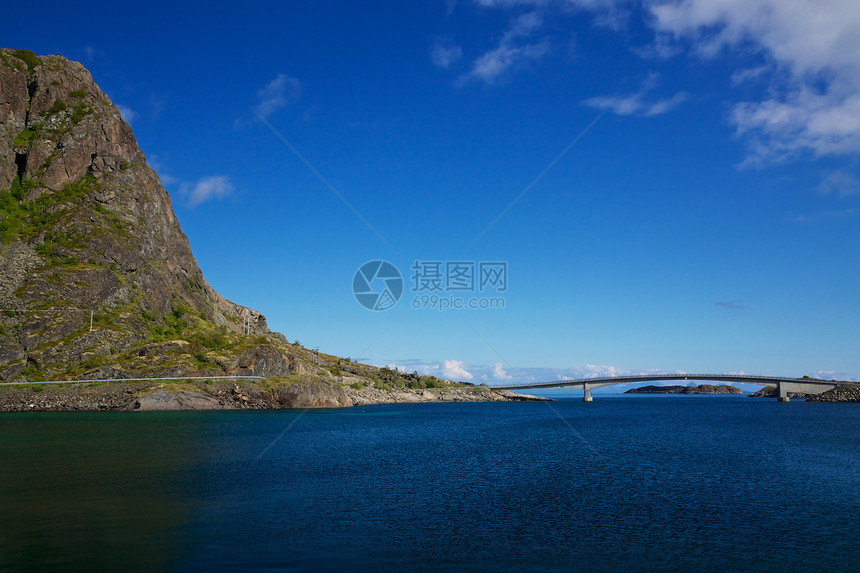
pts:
[625, 483]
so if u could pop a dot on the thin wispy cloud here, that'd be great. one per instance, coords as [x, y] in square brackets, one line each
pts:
[841, 182]
[638, 103]
[833, 375]
[838, 214]
[206, 189]
[445, 52]
[128, 114]
[748, 74]
[159, 165]
[278, 93]
[92, 53]
[614, 14]
[512, 53]
[730, 304]
[157, 105]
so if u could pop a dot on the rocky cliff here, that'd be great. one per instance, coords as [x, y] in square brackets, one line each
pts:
[87, 233]
[97, 280]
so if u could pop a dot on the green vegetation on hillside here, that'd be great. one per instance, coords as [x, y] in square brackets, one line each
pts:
[23, 219]
[26, 137]
[388, 379]
[28, 57]
[58, 106]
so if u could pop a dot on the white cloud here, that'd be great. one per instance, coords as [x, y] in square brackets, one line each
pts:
[280, 92]
[809, 53]
[498, 372]
[511, 53]
[780, 129]
[212, 187]
[128, 114]
[445, 53]
[636, 103]
[454, 370]
[815, 43]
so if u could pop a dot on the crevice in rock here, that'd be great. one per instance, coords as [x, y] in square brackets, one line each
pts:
[21, 164]
[31, 91]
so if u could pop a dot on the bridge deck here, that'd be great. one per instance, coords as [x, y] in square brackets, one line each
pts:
[596, 382]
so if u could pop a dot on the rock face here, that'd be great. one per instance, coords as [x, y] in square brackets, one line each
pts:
[700, 389]
[162, 400]
[86, 229]
[770, 392]
[842, 393]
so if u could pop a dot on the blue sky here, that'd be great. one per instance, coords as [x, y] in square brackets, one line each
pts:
[674, 185]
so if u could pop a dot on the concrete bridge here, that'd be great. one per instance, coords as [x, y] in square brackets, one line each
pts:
[783, 385]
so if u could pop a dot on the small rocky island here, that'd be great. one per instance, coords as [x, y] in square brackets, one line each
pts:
[700, 389]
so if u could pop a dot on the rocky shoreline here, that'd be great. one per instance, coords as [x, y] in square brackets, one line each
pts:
[842, 393]
[223, 395]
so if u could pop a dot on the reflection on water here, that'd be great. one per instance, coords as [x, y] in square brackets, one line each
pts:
[94, 492]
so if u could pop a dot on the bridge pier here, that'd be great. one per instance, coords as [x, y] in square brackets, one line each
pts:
[586, 397]
[781, 393]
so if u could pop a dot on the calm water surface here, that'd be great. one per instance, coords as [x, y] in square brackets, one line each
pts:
[635, 483]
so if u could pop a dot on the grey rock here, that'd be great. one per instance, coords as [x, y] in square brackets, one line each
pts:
[162, 400]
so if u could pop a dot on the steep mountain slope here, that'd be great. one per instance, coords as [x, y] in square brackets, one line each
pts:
[97, 280]
[87, 233]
